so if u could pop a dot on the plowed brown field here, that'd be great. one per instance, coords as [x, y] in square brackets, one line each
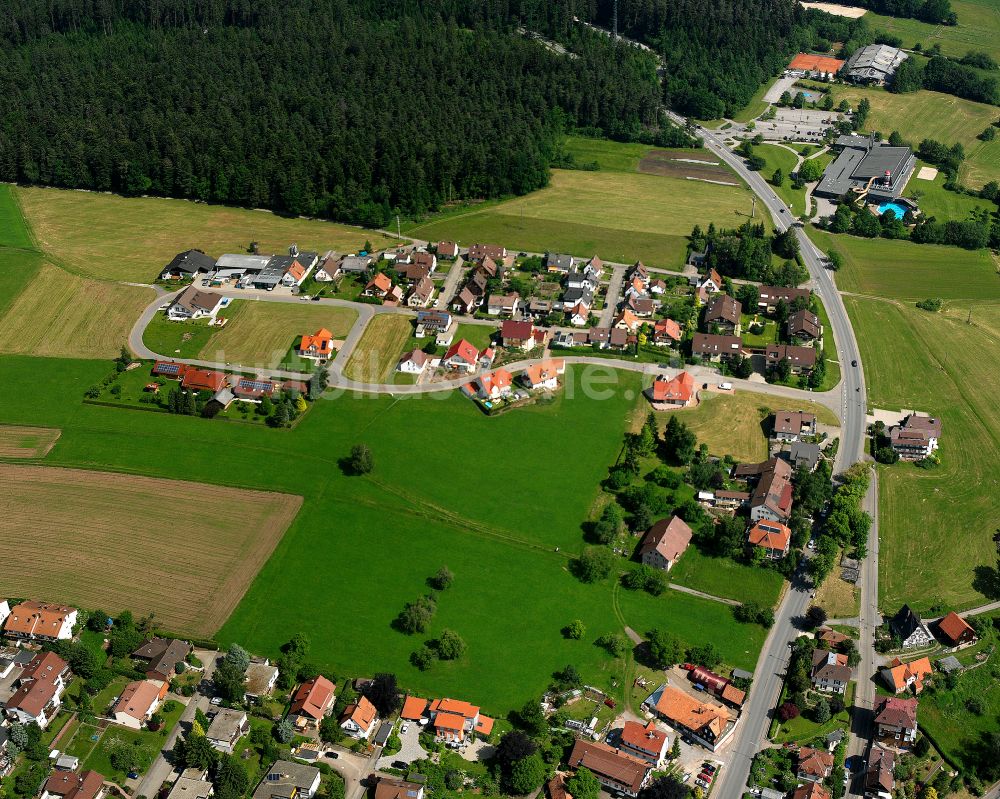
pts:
[184, 551]
[27, 442]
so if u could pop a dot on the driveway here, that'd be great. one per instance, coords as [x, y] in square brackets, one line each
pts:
[353, 768]
[411, 751]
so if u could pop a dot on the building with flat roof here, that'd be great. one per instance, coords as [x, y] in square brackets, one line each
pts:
[876, 172]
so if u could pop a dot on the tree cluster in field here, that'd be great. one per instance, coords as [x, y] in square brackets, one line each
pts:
[960, 77]
[745, 253]
[416, 617]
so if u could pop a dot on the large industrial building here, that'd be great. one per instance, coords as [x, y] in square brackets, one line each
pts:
[875, 64]
[876, 172]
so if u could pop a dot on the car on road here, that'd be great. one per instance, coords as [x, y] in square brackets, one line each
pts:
[854, 363]
[405, 727]
[316, 298]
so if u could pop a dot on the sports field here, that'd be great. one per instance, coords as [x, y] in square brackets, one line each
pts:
[978, 28]
[616, 213]
[127, 238]
[261, 333]
[903, 270]
[935, 525]
[26, 442]
[732, 424]
[61, 314]
[933, 115]
[184, 551]
[379, 349]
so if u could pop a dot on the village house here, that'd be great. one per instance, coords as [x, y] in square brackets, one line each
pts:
[202, 380]
[260, 678]
[558, 263]
[664, 543]
[138, 702]
[447, 250]
[486, 357]
[40, 621]
[544, 375]
[520, 335]
[466, 301]
[666, 333]
[899, 676]
[360, 719]
[457, 721]
[194, 304]
[249, 389]
[725, 500]
[626, 320]
[430, 323]
[416, 362]
[830, 638]
[312, 702]
[895, 720]
[770, 296]
[161, 656]
[637, 271]
[830, 672]
[811, 790]
[38, 690]
[814, 765]
[723, 313]
[477, 252]
[702, 677]
[773, 537]
[328, 269]
[495, 385]
[4, 612]
[573, 297]
[771, 498]
[916, 437]
[503, 304]
[461, 356]
[192, 784]
[657, 287]
[646, 742]
[804, 455]
[642, 307]
[880, 773]
[378, 287]
[793, 425]
[393, 788]
[636, 288]
[804, 326]
[910, 629]
[710, 283]
[619, 773]
[674, 392]
[317, 347]
[421, 293]
[332, 269]
[708, 723]
[187, 265]
[587, 278]
[288, 780]
[73, 785]
[578, 315]
[716, 348]
[539, 309]
[414, 708]
[953, 630]
[227, 728]
[802, 360]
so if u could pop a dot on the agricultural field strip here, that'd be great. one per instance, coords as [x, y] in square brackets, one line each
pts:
[27, 442]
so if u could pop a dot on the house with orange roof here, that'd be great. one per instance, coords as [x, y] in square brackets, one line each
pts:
[73, 785]
[621, 774]
[360, 719]
[815, 66]
[312, 701]
[626, 320]
[461, 356]
[899, 676]
[202, 380]
[668, 393]
[664, 543]
[455, 721]
[578, 315]
[774, 538]
[646, 742]
[414, 708]
[38, 690]
[495, 385]
[317, 347]
[811, 790]
[666, 333]
[814, 765]
[708, 723]
[955, 631]
[40, 621]
[138, 702]
[378, 287]
[544, 375]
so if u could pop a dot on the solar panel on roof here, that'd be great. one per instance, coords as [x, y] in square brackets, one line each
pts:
[256, 385]
[168, 368]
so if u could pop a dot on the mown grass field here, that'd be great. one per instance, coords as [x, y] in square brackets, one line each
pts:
[60, 314]
[933, 115]
[935, 525]
[126, 238]
[903, 270]
[261, 333]
[978, 28]
[619, 214]
[192, 548]
[450, 486]
[934, 200]
[19, 442]
[378, 351]
[780, 158]
[726, 578]
[731, 424]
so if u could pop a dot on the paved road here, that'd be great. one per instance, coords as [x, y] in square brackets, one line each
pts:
[160, 771]
[752, 730]
[451, 282]
[613, 295]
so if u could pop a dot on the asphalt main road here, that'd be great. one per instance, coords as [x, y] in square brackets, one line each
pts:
[751, 733]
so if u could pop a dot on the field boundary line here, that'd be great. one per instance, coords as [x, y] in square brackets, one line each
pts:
[16, 196]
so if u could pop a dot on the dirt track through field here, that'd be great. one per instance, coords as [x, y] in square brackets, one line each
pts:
[184, 551]
[27, 442]
[664, 162]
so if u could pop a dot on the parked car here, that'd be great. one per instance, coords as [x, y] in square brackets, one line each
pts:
[405, 727]
[330, 753]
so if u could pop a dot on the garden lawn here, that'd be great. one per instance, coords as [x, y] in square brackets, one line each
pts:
[176, 339]
[935, 525]
[732, 424]
[829, 348]
[907, 271]
[782, 158]
[620, 216]
[726, 578]
[261, 333]
[803, 730]
[132, 238]
[99, 759]
[479, 336]
[378, 351]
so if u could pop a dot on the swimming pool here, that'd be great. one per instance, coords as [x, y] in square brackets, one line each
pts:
[897, 208]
